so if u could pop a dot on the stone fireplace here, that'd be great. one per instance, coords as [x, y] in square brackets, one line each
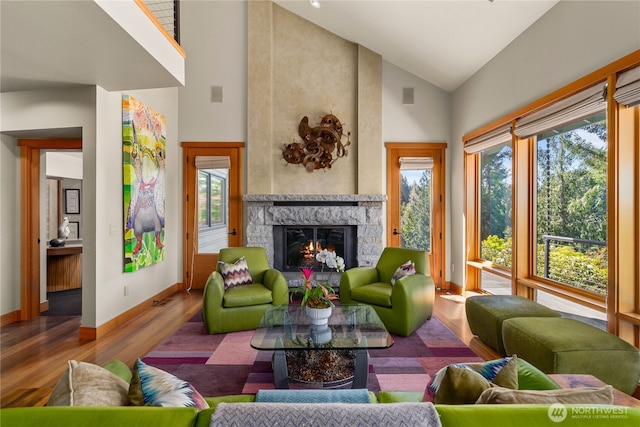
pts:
[267, 214]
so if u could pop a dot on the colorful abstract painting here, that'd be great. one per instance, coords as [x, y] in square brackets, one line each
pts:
[143, 150]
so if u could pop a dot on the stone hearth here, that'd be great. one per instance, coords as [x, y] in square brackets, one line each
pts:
[263, 211]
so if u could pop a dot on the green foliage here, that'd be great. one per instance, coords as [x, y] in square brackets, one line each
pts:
[588, 271]
[416, 215]
[496, 250]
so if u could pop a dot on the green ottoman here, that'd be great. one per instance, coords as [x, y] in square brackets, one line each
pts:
[485, 314]
[567, 346]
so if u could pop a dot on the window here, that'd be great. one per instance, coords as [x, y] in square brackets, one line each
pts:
[211, 199]
[495, 205]
[576, 198]
[571, 204]
[415, 208]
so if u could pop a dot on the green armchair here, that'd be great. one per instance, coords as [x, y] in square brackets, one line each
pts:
[403, 307]
[240, 308]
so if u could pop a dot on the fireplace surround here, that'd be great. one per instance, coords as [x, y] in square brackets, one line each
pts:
[264, 212]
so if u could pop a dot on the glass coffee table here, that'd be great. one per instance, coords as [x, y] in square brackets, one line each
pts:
[285, 329]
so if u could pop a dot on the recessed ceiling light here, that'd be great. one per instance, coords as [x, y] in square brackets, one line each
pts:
[315, 3]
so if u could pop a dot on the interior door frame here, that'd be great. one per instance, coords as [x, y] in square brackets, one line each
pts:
[435, 150]
[195, 277]
[30, 211]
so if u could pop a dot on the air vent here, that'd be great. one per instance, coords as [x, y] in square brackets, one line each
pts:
[216, 93]
[407, 95]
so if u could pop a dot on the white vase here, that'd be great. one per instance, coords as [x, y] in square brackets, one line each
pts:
[318, 316]
[320, 334]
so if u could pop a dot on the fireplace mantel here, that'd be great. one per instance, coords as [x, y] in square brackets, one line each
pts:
[310, 198]
[264, 211]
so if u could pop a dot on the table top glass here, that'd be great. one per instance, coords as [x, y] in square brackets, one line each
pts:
[350, 327]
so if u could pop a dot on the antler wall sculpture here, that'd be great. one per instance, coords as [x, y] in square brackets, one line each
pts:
[318, 144]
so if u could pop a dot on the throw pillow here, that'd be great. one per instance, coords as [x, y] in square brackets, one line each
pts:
[499, 372]
[86, 384]
[460, 386]
[406, 269]
[155, 387]
[580, 395]
[235, 274]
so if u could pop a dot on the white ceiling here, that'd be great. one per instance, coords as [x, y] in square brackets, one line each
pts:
[44, 44]
[443, 42]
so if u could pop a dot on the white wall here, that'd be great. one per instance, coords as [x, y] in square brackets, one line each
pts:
[99, 114]
[9, 224]
[570, 41]
[108, 299]
[427, 120]
[214, 36]
[20, 111]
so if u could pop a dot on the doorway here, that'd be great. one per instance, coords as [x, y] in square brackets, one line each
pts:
[416, 201]
[30, 280]
[212, 209]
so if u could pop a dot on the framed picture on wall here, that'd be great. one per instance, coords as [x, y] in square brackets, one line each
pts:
[74, 230]
[72, 200]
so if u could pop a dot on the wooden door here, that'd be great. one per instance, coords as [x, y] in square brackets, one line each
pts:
[198, 264]
[435, 152]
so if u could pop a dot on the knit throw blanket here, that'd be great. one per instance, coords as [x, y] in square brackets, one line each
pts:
[325, 415]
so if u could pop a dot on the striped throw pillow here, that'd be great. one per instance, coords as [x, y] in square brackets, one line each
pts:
[235, 274]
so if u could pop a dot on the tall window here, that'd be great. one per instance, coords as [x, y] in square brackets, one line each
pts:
[211, 199]
[571, 204]
[415, 208]
[495, 205]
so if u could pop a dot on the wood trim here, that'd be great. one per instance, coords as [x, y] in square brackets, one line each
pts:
[52, 144]
[590, 79]
[157, 23]
[44, 306]
[30, 249]
[9, 318]
[30, 213]
[92, 334]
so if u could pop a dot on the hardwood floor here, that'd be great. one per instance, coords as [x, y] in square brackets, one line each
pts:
[34, 353]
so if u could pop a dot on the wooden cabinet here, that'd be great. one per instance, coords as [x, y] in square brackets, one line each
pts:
[64, 268]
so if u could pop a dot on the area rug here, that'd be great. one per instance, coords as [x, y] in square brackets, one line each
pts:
[226, 364]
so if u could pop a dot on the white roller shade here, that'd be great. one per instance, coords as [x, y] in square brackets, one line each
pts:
[491, 139]
[628, 88]
[416, 163]
[583, 104]
[212, 162]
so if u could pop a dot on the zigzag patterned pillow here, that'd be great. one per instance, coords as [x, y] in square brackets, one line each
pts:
[235, 274]
[155, 387]
[406, 269]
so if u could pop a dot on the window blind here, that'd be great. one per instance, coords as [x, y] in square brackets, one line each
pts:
[628, 88]
[491, 139]
[212, 162]
[579, 106]
[416, 163]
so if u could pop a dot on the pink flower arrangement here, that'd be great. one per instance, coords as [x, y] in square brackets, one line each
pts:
[318, 296]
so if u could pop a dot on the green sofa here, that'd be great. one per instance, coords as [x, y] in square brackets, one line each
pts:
[495, 415]
[241, 308]
[450, 415]
[402, 307]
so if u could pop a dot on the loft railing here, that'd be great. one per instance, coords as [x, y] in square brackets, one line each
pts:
[167, 12]
[582, 274]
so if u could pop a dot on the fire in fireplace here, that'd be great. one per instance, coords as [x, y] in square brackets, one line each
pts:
[300, 244]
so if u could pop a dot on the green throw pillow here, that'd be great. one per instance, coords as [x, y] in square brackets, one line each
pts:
[452, 385]
[460, 386]
[532, 378]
